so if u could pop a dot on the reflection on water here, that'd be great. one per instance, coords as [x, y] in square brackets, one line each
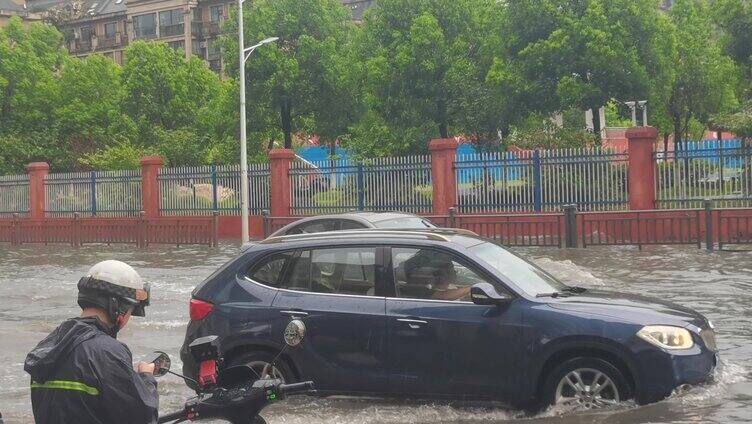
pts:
[38, 290]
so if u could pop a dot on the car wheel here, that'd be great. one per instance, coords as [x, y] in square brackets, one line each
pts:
[585, 383]
[260, 363]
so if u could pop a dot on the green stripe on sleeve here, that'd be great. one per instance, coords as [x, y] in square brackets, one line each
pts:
[66, 385]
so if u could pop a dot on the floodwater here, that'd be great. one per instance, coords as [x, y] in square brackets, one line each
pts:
[38, 291]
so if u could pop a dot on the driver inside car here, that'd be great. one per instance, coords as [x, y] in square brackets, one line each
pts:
[445, 287]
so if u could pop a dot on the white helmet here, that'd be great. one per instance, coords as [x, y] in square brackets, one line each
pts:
[114, 286]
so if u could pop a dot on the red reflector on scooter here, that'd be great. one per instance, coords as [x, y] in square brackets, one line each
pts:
[199, 309]
[207, 373]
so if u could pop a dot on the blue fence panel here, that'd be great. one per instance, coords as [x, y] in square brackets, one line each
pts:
[719, 171]
[93, 193]
[545, 180]
[14, 195]
[202, 190]
[398, 183]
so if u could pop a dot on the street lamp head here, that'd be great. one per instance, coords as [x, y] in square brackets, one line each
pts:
[268, 40]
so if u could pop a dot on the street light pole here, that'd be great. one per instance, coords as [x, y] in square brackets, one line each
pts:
[243, 55]
[244, 201]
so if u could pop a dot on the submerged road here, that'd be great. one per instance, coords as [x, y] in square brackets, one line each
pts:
[38, 291]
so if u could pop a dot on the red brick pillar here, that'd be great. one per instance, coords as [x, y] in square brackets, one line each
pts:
[641, 167]
[150, 185]
[279, 166]
[443, 152]
[37, 171]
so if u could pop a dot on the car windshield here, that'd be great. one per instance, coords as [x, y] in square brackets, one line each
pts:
[528, 277]
[404, 222]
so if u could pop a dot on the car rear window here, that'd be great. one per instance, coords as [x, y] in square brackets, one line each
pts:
[269, 270]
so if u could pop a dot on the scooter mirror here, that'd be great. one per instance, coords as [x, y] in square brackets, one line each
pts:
[161, 364]
[295, 332]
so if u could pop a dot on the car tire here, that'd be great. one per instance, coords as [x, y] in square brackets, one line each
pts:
[598, 384]
[257, 359]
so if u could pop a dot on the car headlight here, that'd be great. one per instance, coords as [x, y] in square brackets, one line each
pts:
[666, 336]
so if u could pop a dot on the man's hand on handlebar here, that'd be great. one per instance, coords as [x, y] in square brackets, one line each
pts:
[145, 367]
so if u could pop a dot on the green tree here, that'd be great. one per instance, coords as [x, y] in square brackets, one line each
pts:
[734, 18]
[425, 71]
[293, 85]
[29, 61]
[739, 122]
[163, 88]
[586, 52]
[167, 97]
[88, 110]
[704, 77]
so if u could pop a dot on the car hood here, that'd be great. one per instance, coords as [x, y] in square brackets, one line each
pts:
[639, 309]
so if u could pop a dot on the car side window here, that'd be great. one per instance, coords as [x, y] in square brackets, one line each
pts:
[339, 270]
[348, 224]
[430, 274]
[313, 227]
[270, 269]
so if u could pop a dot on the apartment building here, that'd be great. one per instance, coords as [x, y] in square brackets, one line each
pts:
[11, 8]
[107, 26]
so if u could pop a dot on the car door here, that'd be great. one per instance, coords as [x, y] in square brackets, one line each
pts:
[334, 291]
[440, 343]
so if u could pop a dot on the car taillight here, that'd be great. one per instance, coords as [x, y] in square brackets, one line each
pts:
[200, 309]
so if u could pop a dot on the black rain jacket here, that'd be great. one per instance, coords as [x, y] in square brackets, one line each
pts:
[82, 374]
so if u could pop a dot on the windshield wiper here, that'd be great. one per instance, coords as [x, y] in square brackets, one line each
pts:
[574, 289]
[566, 291]
[551, 294]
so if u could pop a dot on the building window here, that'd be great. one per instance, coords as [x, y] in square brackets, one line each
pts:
[213, 48]
[86, 34]
[171, 23]
[197, 15]
[217, 12]
[177, 45]
[110, 29]
[145, 26]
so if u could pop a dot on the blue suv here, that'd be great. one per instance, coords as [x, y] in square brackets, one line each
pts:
[443, 314]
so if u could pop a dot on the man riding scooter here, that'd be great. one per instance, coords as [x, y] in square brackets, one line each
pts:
[80, 373]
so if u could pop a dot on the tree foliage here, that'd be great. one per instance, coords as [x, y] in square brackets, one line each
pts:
[704, 77]
[296, 84]
[575, 53]
[424, 71]
[494, 72]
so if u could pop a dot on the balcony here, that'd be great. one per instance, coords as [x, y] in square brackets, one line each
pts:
[82, 46]
[212, 28]
[117, 40]
[171, 30]
[145, 35]
[205, 29]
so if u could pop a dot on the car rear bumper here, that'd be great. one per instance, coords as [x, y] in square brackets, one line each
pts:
[662, 372]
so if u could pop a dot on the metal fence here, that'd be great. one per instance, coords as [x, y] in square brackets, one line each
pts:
[14, 195]
[393, 183]
[721, 171]
[542, 180]
[201, 190]
[95, 193]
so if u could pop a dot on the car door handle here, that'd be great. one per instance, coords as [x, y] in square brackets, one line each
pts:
[294, 313]
[413, 323]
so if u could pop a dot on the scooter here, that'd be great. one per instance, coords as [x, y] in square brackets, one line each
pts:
[235, 394]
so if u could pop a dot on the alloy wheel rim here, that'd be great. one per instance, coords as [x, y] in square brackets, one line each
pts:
[263, 370]
[586, 388]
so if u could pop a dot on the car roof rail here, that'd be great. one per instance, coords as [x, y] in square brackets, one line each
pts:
[372, 232]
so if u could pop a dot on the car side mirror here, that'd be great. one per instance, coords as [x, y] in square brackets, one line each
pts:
[486, 294]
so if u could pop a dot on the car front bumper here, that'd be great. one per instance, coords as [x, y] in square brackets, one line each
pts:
[663, 371]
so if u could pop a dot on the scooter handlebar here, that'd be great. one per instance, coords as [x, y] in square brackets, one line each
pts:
[296, 388]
